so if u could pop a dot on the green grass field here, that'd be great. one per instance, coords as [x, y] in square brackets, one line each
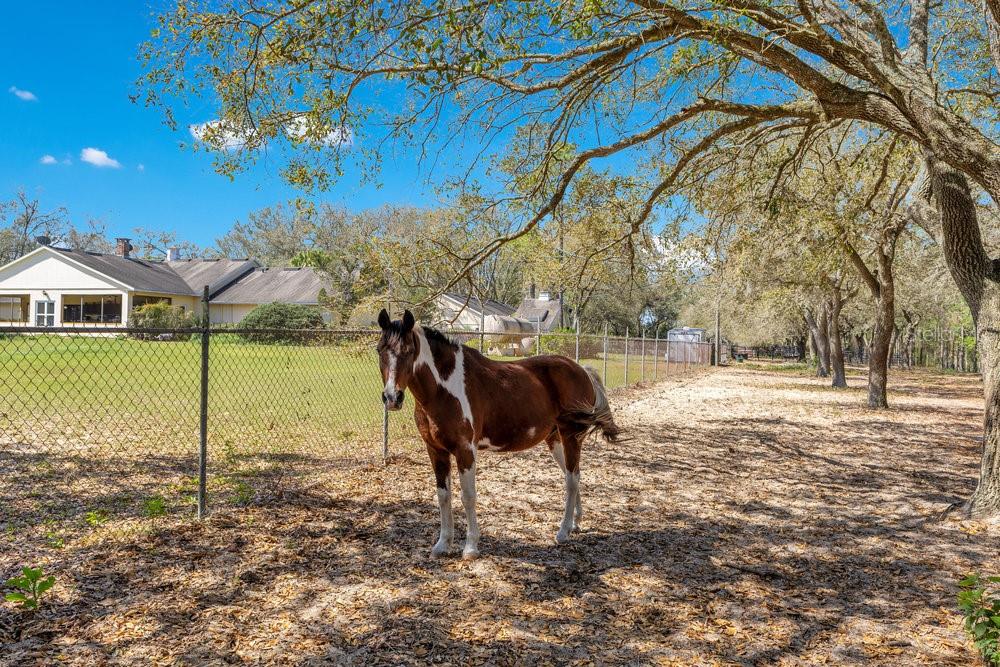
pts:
[113, 422]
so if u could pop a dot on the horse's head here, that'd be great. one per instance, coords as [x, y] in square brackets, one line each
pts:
[397, 350]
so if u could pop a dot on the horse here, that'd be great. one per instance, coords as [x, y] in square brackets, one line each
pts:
[467, 403]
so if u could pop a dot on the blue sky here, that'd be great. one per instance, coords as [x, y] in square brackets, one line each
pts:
[78, 60]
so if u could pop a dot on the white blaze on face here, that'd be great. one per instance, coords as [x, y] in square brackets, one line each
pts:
[390, 376]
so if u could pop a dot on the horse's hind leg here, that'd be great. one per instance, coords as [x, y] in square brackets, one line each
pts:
[466, 459]
[441, 461]
[566, 451]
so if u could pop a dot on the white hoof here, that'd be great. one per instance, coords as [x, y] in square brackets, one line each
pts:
[440, 549]
[562, 537]
[470, 553]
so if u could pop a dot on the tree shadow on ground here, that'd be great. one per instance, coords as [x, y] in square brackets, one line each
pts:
[747, 539]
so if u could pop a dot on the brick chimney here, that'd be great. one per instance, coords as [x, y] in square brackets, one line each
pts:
[123, 247]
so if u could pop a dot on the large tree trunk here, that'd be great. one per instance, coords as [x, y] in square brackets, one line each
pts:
[976, 277]
[836, 342]
[878, 352]
[819, 335]
[986, 498]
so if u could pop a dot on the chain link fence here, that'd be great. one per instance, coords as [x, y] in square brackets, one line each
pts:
[116, 426]
[938, 348]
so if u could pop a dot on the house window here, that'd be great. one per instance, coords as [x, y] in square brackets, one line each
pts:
[92, 308]
[14, 308]
[45, 313]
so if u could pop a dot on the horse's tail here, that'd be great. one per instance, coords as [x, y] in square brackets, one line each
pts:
[600, 417]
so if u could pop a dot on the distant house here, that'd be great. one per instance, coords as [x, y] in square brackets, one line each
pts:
[459, 311]
[52, 287]
[543, 311]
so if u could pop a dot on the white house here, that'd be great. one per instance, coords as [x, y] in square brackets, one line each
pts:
[459, 311]
[58, 287]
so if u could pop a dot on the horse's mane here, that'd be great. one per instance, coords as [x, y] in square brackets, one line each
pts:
[433, 334]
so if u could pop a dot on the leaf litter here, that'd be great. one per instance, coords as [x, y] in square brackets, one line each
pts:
[754, 518]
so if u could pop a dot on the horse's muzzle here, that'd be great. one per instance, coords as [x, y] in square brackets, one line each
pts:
[393, 401]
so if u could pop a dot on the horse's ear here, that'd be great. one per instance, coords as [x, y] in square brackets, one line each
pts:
[408, 321]
[383, 320]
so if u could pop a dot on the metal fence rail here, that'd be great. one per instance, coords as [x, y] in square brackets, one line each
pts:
[118, 425]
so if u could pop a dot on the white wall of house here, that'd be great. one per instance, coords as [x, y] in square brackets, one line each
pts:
[43, 278]
[228, 313]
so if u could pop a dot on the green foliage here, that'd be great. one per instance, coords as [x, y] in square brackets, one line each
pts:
[95, 518]
[979, 601]
[161, 315]
[31, 585]
[278, 321]
[154, 506]
[565, 344]
[312, 258]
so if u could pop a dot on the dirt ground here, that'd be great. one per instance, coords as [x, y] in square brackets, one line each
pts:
[755, 518]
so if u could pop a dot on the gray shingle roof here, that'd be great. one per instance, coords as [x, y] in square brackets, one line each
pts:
[216, 273]
[269, 285]
[140, 274]
[488, 307]
[544, 310]
[228, 280]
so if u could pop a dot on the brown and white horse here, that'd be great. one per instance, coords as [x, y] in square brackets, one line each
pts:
[466, 402]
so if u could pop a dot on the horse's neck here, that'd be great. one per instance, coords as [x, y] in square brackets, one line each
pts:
[426, 386]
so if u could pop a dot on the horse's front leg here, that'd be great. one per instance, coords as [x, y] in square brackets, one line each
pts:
[466, 459]
[441, 461]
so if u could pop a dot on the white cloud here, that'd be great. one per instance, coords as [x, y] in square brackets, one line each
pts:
[51, 159]
[333, 136]
[99, 158]
[218, 136]
[215, 135]
[25, 95]
[141, 167]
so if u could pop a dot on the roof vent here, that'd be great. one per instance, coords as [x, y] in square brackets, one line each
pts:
[173, 254]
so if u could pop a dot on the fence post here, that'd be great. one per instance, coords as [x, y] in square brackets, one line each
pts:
[626, 356]
[576, 323]
[385, 434]
[605, 379]
[642, 364]
[203, 421]
[666, 366]
[538, 336]
[656, 351]
[482, 327]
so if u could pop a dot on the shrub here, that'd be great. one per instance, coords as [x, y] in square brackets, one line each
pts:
[980, 604]
[31, 585]
[276, 317]
[154, 506]
[591, 347]
[161, 315]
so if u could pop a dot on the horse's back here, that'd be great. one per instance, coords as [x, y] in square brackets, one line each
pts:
[562, 381]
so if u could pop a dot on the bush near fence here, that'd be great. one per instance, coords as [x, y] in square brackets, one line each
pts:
[266, 323]
[159, 316]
